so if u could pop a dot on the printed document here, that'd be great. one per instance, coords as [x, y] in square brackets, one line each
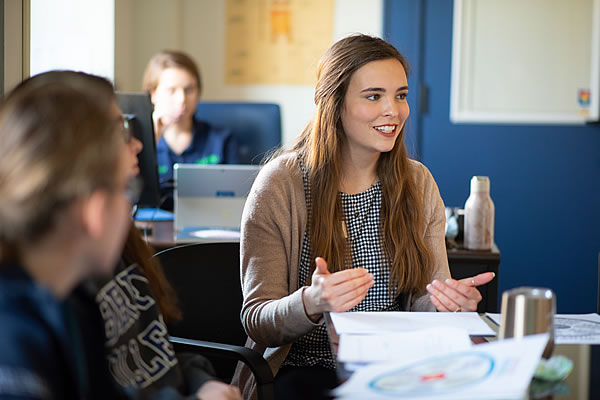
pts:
[571, 328]
[497, 370]
[394, 346]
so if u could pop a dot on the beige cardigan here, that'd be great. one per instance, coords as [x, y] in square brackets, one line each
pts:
[272, 230]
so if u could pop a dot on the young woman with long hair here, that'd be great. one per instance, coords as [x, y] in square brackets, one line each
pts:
[343, 221]
[136, 303]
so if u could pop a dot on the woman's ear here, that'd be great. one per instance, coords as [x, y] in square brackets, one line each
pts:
[93, 212]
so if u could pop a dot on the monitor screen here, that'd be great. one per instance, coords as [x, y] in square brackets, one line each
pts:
[137, 109]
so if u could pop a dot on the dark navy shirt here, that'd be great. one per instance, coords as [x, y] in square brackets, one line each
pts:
[44, 352]
[210, 145]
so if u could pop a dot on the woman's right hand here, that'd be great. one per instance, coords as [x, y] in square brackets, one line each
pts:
[161, 123]
[337, 292]
[163, 120]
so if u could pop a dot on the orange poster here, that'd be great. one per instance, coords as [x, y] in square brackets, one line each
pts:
[272, 42]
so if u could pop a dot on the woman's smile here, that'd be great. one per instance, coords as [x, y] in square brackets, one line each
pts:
[387, 130]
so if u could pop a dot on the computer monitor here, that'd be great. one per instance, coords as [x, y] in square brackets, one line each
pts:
[137, 109]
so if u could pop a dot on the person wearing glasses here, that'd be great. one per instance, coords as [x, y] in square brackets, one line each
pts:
[173, 81]
[342, 221]
[135, 303]
[64, 216]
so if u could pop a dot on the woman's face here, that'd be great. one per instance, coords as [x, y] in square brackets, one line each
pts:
[175, 96]
[134, 147]
[375, 107]
[117, 207]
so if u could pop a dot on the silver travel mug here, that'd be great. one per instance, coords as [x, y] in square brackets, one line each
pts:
[527, 311]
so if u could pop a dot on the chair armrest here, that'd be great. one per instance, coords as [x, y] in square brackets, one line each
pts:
[257, 364]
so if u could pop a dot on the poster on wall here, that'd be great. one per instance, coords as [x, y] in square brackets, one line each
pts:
[276, 42]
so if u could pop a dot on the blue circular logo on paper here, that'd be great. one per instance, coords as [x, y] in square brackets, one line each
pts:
[435, 376]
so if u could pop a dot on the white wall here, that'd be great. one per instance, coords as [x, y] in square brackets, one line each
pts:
[532, 72]
[72, 34]
[197, 27]
[13, 45]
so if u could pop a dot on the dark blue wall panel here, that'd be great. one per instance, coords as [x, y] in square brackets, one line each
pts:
[402, 21]
[545, 179]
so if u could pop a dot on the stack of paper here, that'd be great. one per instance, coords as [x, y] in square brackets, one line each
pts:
[367, 337]
[355, 350]
[378, 322]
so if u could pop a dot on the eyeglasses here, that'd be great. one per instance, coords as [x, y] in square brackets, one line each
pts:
[133, 190]
[125, 129]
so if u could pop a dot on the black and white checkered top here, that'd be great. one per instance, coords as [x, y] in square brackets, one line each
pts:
[362, 211]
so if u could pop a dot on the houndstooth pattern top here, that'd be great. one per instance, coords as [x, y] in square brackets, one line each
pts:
[362, 214]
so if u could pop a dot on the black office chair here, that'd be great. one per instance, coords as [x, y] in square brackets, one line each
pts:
[206, 278]
[255, 126]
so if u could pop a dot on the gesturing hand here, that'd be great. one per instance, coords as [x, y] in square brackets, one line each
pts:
[336, 292]
[462, 295]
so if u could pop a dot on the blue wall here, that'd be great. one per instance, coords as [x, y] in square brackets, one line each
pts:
[545, 180]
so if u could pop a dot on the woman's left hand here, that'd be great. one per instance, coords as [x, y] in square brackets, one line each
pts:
[462, 295]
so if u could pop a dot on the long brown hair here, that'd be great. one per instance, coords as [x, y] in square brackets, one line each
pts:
[320, 147]
[138, 252]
